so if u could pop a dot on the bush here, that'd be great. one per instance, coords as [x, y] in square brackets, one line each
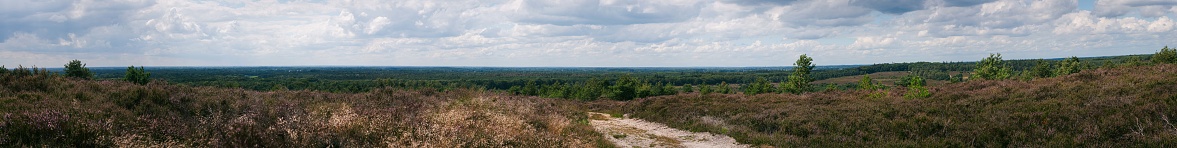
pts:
[76, 69]
[138, 76]
[800, 78]
[1166, 55]
[21, 71]
[916, 88]
[992, 68]
[1068, 66]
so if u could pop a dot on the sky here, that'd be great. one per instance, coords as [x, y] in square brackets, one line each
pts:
[573, 33]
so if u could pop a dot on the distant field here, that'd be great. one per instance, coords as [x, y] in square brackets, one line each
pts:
[885, 78]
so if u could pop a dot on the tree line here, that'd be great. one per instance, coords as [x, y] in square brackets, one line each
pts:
[77, 70]
[636, 83]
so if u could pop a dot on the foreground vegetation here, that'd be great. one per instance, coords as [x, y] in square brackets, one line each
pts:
[1133, 106]
[41, 109]
[1070, 102]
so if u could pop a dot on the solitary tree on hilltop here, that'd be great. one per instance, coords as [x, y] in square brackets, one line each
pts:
[76, 69]
[624, 89]
[799, 80]
[991, 68]
[1166, 55]
[916, 89]
[866, 83]
[1068, 66]
[760, 86]
[1041, 69]
[138, 76]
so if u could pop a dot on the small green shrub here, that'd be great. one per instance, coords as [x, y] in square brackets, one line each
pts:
[138, 76]
[992, 68]
[76, 69]
[1166, 55]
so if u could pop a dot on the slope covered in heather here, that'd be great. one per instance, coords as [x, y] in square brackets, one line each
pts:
[1126, 106]
[53, 111]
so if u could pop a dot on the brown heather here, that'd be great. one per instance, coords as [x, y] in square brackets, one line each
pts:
[1121, 107]
[53, 111]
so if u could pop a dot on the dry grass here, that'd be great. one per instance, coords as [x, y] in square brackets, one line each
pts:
[57, 112]
[1127, 106]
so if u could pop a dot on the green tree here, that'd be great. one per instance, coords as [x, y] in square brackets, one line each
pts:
[1042, 69]
[3, 70]
[517, 90]
[590, 90]
[141, 76]
[958, 78]
[76, 69]
[687, 88]
[530, 88]
[723, 88]
[1166, 55]
[1068, 66]
[831, 87]
[278, 87]
[908, 80]
[656, 89]
[624, 89]
[992, 68]
[866, 83]
[1133, 61]
[555, 90]
[916, 89]
[761, 85]
[643, 90]
[705, 89]
[668, 89]
[869, 85]
[800, 78]
[20, 70]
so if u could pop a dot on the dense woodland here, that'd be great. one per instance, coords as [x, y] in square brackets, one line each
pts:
[1065, 102]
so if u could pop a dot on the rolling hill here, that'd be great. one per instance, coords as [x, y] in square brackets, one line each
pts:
[1133, 106]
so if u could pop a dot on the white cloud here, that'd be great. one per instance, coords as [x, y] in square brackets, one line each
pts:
[377, 24]
[571, 32]
[1147, 8]
[872, 42]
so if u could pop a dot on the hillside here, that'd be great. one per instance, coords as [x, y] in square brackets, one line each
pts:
[1134, 106]
[1119, 105]
[53, 111]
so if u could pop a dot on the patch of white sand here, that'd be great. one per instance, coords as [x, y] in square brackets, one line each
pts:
[628, 132]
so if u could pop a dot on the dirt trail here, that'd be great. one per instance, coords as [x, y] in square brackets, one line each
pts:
[627, 132]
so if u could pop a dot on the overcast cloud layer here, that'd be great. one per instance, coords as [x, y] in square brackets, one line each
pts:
[571, 32]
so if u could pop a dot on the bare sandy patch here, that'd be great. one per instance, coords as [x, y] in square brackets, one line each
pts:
[628, 132]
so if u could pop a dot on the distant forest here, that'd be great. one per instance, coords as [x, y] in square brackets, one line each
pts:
[1066, 102]
[587, 83]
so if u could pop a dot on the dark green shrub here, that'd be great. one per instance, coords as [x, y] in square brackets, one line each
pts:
[992, 68]
[1166, 55]
[76, 69]
[137, 75]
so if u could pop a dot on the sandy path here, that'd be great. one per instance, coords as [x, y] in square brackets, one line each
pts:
[626, 132]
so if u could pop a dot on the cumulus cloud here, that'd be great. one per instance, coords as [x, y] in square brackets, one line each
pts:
[605, 12]
[570, 32]
[1147, 8]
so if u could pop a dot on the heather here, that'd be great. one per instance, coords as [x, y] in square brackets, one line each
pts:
[42, 109]
[1133, 106]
